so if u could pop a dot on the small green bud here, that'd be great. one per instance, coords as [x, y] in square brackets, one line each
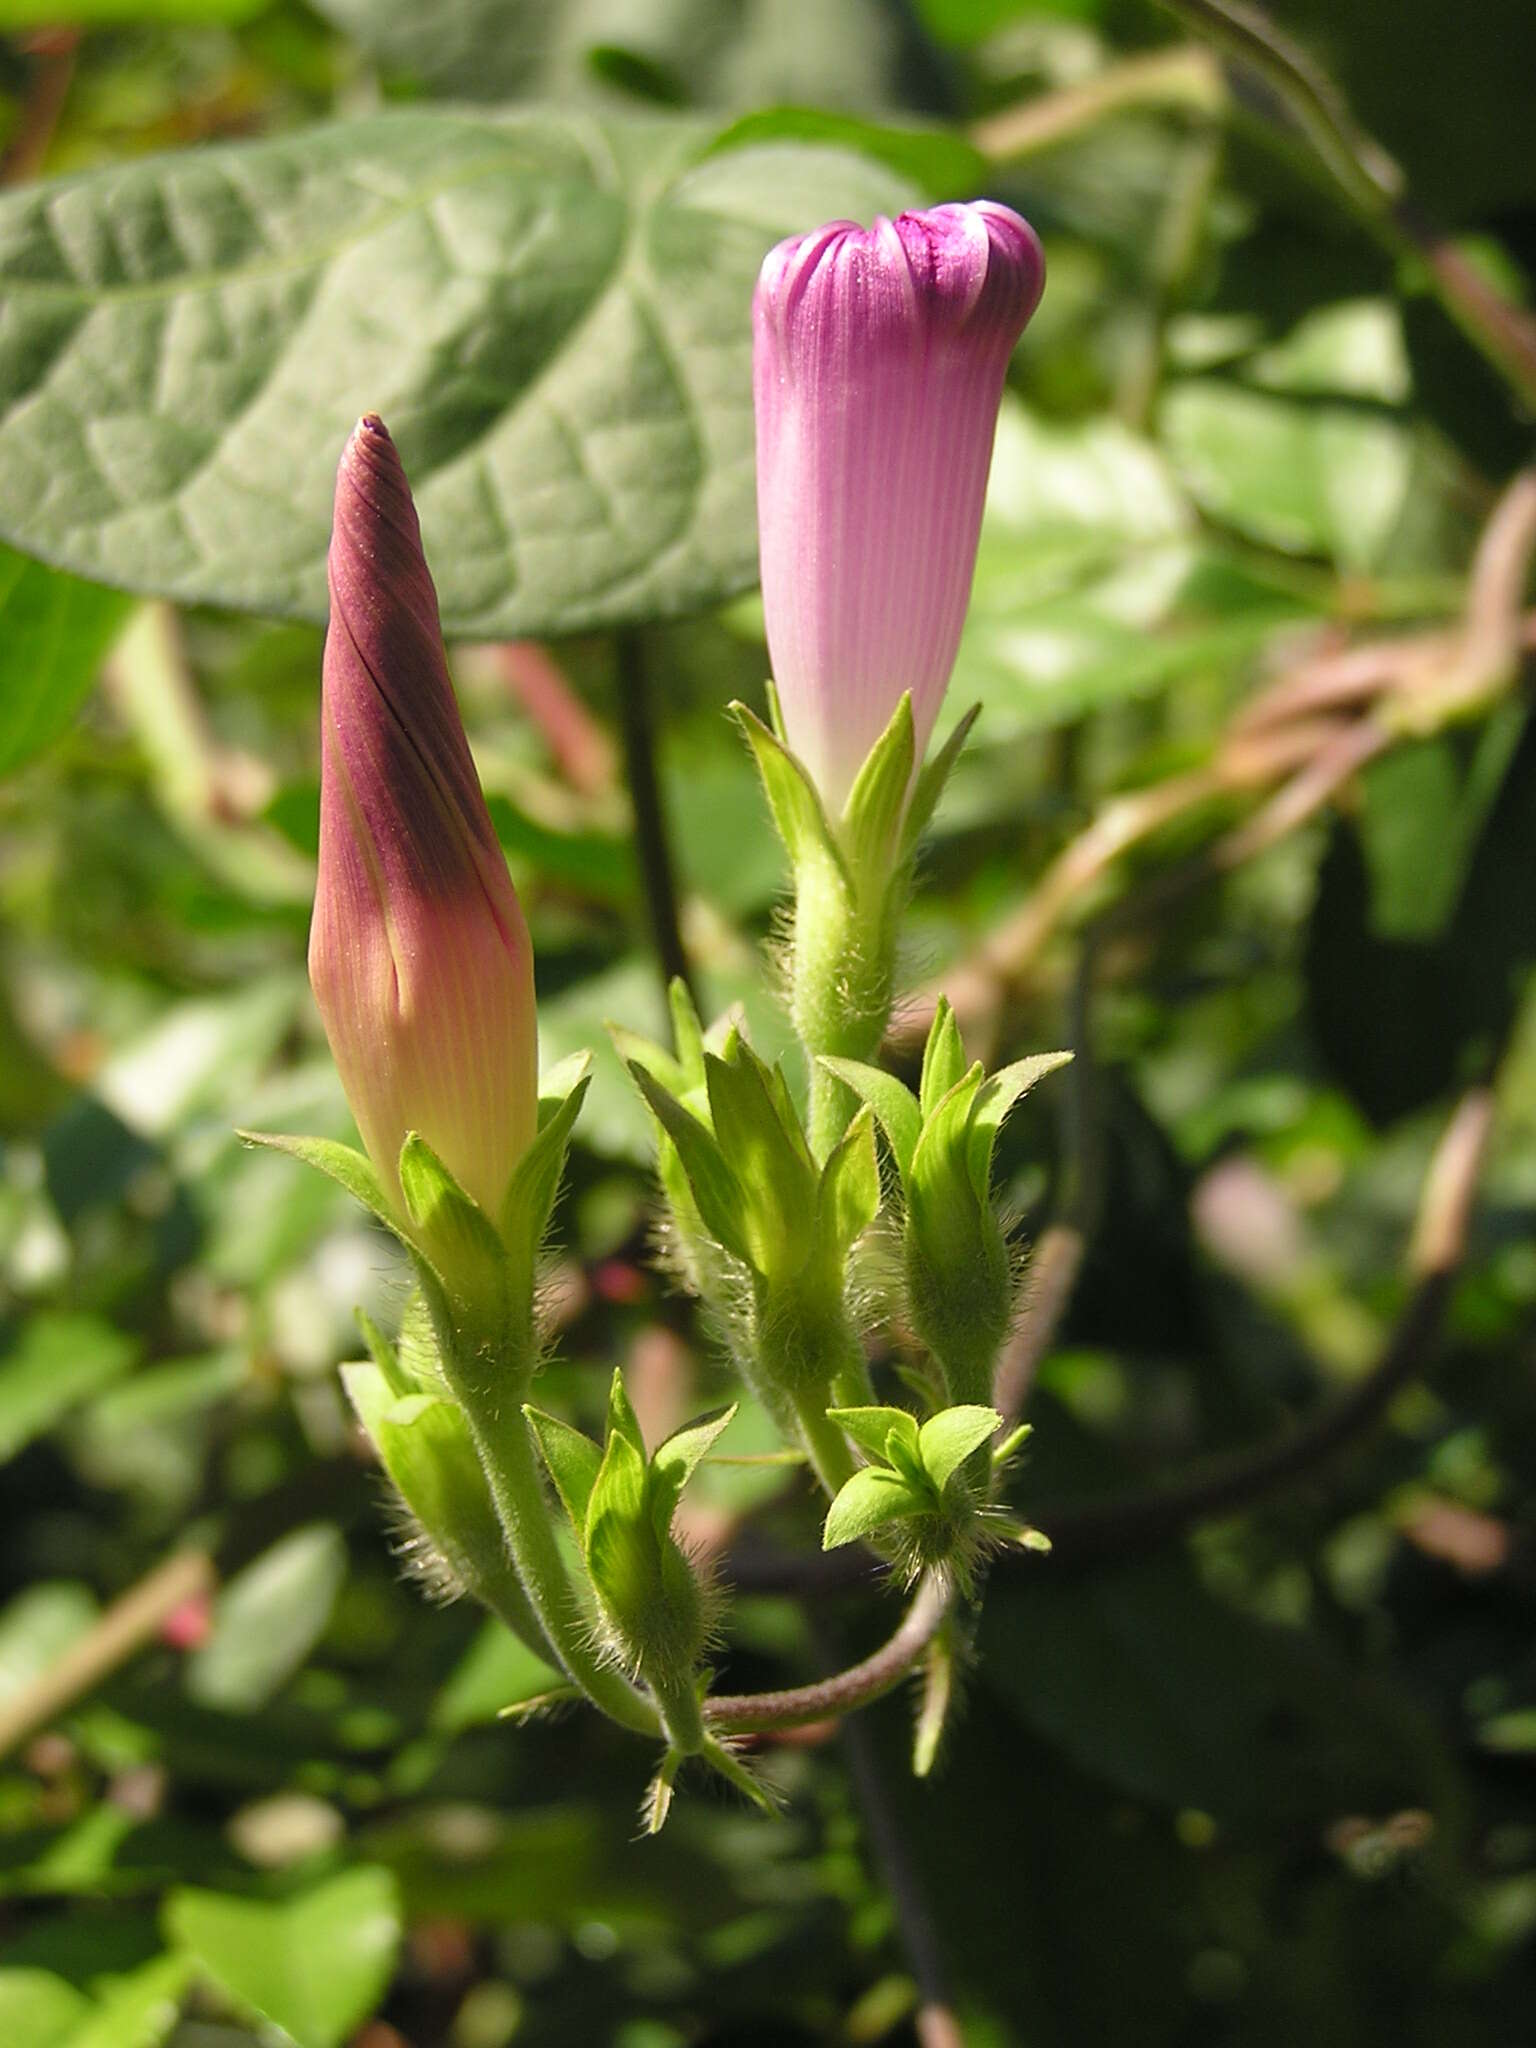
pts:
[620, 1505]
[960, 1280]
[914, 1494]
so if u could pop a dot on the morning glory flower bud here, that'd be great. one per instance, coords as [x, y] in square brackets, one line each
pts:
[418, 952]
[878, 363]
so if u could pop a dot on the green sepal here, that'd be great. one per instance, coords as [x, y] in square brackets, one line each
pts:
[769, 1158]
[931, 780]
[344, 1164]
[535, 1182]
[943, 1059]
[616, 1536]
[947, 1439]
[458, 1238]
[848, 1199]
[687, 1032]
[719, 1195]
[939, 1670]
[894, 1104]
[622, 1419]
[424, 1444]
[872, 1428]
[560, 1082]
[573, 1461]
[874, 1497]
[996, 1098]
[676, 1461]
[872, 817]
[385, 1357]
[792, 798]
[636, 1050]
[642, 1580]
[941, 1200]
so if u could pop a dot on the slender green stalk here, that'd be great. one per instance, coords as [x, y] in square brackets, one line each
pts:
[506, 1451]
[825, 1444]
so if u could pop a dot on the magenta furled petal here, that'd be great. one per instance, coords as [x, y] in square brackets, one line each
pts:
[878, 363]
[418, 951]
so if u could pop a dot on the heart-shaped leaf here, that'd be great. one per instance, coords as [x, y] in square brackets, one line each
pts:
[550, 309]
[315, 1964]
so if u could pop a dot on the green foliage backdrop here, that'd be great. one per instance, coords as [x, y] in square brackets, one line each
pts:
[1249, 819]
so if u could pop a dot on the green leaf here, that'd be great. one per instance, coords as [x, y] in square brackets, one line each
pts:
[722, 1200]
[139, 2010]
[868, 1501]
[55, 632]
[496, 1672]
[573, 1460]
[39, 2009]
[343, 1164]
[872, 1428]
[995, 1098]
[893, 1103]
[16, 14]
[57, 1361]
[550, 309]
[268, 1619]
[872, 815]
[849, 1197]
[937, 159]
[315, 1964]
[797, 809]
[947, 1439]
[1301, 475]
[943, 1059]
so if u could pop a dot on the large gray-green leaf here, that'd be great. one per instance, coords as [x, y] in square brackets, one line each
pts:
[552, 313]
[707, 52]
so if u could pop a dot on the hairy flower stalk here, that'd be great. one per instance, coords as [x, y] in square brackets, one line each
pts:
[418, 952]
[879, 358]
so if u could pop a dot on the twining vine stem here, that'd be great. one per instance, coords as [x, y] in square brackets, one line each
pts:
[637, 731]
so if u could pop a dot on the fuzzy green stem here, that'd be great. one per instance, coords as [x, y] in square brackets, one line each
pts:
[825, 1444]
[842, 981]
[681, 1715]
[505, 1448]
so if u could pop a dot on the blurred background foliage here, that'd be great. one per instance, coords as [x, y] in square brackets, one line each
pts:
[1247, 1777]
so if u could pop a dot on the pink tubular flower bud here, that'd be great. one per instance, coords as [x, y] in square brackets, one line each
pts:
[878, 363]
[418, 952]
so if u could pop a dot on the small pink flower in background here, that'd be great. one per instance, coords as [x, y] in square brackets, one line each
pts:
[878, 364]
[418, 952]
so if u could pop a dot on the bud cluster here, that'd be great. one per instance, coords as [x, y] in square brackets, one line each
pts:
[880, 356]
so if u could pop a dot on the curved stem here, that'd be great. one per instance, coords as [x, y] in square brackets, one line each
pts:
[1096, 1532]
[856, 1687]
